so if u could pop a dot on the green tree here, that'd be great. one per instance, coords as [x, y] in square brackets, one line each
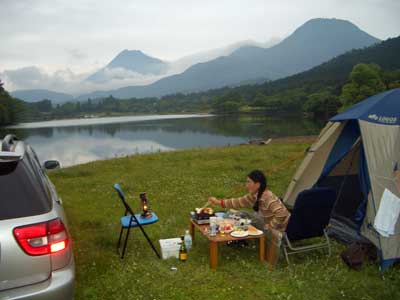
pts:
[322, 104]
[365, 81]
[259, 100]
[11, 109]
[229, 102]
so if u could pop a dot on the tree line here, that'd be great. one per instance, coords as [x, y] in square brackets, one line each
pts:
[363, 81]
[11, 109]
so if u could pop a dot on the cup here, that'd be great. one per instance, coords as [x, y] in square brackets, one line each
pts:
[213, 220]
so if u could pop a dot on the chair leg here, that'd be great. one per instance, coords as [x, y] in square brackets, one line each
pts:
[286, 254]
[328, 242]
[125, 243]
[150, 242]
[119, 239]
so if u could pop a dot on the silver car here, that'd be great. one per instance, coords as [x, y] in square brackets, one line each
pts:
[36, 260]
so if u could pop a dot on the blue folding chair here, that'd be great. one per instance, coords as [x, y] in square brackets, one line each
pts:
[310, 217]
[131, 220]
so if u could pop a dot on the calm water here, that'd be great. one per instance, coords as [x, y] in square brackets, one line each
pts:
[79, 141]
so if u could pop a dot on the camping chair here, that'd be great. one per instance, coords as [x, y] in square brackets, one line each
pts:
[131, 220]
[310, 217]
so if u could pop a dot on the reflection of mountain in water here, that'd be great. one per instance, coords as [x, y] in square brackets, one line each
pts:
[78, 144]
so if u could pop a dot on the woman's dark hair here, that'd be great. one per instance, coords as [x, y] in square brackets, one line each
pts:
[258, 176]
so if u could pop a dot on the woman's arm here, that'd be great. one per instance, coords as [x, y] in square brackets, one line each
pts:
[245, 201]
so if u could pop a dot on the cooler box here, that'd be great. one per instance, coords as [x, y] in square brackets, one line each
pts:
[170, 247]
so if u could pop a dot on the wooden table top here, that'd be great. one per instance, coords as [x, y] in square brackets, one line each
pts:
[221, 237]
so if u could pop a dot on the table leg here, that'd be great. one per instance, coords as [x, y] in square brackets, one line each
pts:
[261, 240]
[213, 255]
[191, 230]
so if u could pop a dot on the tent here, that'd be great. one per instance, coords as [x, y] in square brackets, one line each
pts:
[358, 153]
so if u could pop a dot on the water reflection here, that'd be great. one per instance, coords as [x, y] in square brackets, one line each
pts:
[78, 143]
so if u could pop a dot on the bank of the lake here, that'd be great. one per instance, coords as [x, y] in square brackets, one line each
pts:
[176, 182]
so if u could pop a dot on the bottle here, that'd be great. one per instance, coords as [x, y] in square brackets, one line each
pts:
[213, 229]
[182, 251]
[188, 240]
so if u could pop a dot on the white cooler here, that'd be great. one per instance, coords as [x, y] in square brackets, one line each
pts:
[170, 247]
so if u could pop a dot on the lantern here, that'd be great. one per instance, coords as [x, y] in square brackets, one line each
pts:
[145, 206]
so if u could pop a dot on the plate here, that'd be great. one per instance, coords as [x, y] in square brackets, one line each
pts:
[239, 234]
[226, 231]
[258, 232]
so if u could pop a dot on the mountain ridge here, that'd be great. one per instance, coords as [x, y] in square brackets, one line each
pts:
[294, 54]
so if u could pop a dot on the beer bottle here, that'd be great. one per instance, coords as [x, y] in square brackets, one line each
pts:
[182, 250]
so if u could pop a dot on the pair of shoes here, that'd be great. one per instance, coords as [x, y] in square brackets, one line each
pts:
[237, 244]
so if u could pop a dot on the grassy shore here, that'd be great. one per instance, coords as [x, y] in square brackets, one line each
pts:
[177, 182]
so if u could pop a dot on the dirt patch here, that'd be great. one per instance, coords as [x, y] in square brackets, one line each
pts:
[302, 139]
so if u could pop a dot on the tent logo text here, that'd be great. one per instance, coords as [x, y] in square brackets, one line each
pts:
[383, 119]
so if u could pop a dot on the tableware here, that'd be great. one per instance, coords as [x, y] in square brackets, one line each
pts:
[220, 214]
[239, 234]
[255, 232]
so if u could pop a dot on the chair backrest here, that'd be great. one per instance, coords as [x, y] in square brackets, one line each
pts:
[311, 213]
[121, 195]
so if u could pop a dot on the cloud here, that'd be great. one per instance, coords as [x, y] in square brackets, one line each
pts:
[64, 80]
[33, 77]
[59, 33]
[77, 54]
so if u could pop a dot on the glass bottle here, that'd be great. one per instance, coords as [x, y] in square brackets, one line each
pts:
[182, 250]
[188, 240]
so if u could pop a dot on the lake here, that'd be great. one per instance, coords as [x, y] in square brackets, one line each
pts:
[83, 140]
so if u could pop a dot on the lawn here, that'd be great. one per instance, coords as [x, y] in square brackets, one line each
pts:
[176, 183]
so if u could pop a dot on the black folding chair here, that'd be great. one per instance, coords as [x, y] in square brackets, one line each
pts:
[310, 217]
[131, 220]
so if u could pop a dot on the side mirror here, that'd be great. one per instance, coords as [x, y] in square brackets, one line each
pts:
[51, 164]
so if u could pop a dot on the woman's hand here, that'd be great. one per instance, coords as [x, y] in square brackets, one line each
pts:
[214, 201]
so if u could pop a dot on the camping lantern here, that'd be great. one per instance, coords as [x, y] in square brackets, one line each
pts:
[145, 206]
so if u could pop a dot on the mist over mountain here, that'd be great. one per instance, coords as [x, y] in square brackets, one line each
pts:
[313, 43]
[185, 62]
[120, 72]
[130, 63]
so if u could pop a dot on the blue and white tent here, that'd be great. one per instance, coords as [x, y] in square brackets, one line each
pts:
[358, 155]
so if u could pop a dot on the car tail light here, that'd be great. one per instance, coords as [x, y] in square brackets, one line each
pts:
[42, 238]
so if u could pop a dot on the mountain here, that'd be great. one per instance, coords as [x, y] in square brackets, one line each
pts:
[185, 62]
[136, 68]
[40, 94]
[133, 61]
[336, 71]
[315, 42]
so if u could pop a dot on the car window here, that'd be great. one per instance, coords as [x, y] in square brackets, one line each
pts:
[22, 192]
[38, 171]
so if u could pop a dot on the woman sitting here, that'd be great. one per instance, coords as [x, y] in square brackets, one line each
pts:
[270, 214]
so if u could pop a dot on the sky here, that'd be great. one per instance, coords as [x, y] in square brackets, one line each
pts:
[58, 40]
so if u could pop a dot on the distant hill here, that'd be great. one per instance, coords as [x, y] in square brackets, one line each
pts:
[335, 72]
[40, 94]
[313, 43]
[186, 62]
[130, 60]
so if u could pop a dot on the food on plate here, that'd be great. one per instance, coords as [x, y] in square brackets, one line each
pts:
[226, 227]
[206, 210]
[252, 230]
[239, 232]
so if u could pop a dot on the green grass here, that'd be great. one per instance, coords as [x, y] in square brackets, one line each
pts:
[177, 182]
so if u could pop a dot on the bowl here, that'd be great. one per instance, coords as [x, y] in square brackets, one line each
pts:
[220, 214]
